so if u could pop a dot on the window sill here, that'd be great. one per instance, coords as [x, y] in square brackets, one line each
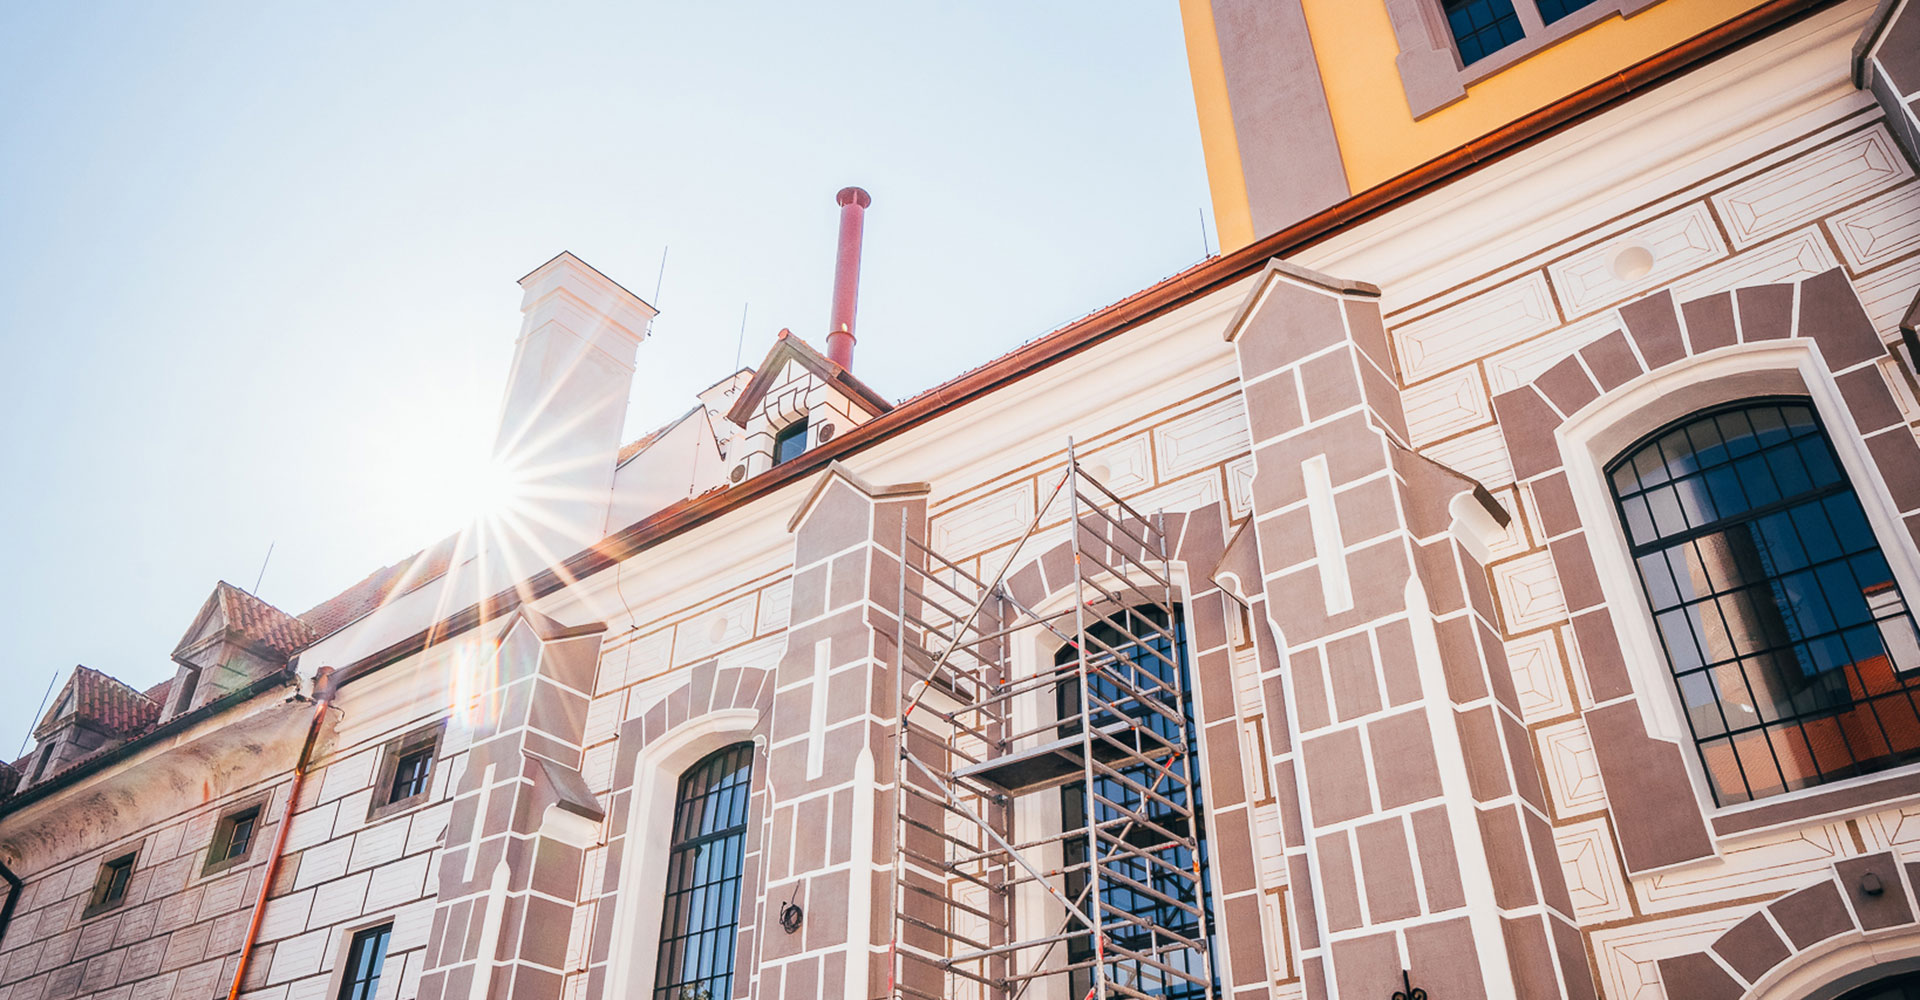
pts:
[1871, 791]
[398, 806]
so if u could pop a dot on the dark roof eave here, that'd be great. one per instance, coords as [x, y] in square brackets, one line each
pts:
[1128, 313]
[177, 724]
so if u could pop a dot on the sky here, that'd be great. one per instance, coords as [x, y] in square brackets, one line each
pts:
[258, 261]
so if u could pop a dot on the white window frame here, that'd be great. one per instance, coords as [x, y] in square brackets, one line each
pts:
[1598, 434]
[640, 906]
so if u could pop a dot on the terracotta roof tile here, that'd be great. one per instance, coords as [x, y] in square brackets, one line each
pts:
[262, 623]
[380, 586]
[104, 702]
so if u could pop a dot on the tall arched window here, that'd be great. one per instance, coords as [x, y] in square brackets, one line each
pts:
[1151, 906]
[1796, 657]
[701, 917]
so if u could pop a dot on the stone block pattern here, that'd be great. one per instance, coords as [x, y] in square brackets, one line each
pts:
[177, 934]
[1423, 827]
[1810, 239]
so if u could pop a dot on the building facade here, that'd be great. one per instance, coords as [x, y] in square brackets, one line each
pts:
[1489, 576]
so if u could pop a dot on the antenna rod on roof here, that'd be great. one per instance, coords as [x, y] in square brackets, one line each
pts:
[741, 344]
[263, 571]
[1206, 249]
[36, 716]
[661, 278]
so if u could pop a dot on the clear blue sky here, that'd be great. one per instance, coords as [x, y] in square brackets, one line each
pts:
[257, 261]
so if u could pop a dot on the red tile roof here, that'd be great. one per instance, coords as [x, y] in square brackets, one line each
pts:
[102, 701]
[646, 441]
[261, 623]
[380, 586]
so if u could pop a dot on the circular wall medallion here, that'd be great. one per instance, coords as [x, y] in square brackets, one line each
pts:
[826, 433]
[1631, 262]
[739, 472]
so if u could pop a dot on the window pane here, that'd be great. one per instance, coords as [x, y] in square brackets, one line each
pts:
[365, 957]
[1143, 654]
[1554, 10]
[701, 912]
[1793, 651]
[1482, 27]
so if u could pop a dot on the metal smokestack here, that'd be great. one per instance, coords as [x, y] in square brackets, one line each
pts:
[846, 275]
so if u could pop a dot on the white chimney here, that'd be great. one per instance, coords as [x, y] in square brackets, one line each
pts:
[565, 408]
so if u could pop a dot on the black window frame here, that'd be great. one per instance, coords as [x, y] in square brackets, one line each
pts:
[111, 882]
[426, 739]
[721, 785]
[796, 431]
[1473, 42]
[1783, 564]
[358, 985]
[1073, 794]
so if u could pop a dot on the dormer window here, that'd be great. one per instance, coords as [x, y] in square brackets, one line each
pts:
[189, 680]
[790, 442]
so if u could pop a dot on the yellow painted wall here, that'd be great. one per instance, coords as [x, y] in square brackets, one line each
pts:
[1232, 216]
[1379, 139]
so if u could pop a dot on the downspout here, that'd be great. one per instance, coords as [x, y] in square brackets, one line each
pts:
[14, 888]
[322, 700]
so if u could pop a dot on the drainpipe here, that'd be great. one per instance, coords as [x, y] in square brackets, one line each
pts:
[14, 888]
[322, 700]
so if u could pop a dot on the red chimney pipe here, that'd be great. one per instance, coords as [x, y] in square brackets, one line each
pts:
[846, 275]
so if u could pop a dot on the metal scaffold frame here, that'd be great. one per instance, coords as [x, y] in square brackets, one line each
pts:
[986, 907]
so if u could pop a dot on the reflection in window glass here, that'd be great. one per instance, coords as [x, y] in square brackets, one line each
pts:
[1159, 895]
[1793, 649]
[702, 908]
[1482, 27]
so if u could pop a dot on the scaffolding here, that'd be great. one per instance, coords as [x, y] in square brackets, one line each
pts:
[1047, 840]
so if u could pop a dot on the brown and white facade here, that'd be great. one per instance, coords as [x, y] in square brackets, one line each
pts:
[1397, 466]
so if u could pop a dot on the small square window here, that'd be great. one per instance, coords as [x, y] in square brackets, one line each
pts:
[360, 979]
[411, 774]
[405, 778]
[790, 442]
[232, 839]
[110, 886]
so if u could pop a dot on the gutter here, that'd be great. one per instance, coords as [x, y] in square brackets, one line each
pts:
[14, 888]
[1125, 315]
[323, 688]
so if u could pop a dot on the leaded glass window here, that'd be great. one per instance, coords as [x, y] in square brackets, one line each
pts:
[1796, 657]
[1149, 654]
[1482, 27]
[702, 912]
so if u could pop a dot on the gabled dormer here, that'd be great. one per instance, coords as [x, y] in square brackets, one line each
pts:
[236, 639]
[798, 399]
[91, 711]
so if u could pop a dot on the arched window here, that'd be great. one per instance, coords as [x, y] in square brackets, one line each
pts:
[1796, 657]
[701, 916]
[1901, 987]
[1150, 907]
